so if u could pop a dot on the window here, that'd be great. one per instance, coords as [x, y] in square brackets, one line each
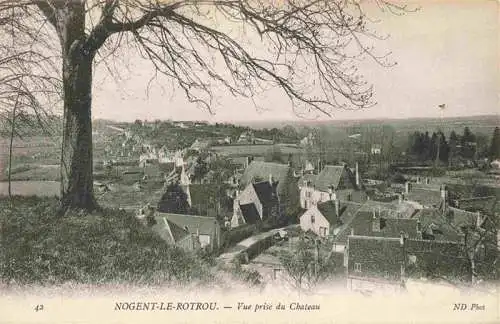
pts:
[357, 267]
[312, 219]
[204, 240]
[308, 194]
[322, 231]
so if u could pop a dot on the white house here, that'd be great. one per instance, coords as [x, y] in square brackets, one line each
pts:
[376, 149]
[338, 178]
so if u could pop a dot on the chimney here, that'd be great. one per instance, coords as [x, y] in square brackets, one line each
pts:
[352, 231]
[419, 229]
[375, 222]
[407, 187]
[357, 175]
[444, 197]
[330, 192]
[402, 239]
[270, 178]
[337, 207]
[479, 219]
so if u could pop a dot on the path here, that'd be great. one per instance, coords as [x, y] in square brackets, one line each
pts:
[247, 243]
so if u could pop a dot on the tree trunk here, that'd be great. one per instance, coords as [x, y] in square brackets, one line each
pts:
[76, 156]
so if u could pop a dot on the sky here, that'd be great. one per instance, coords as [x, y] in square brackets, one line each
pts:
[446, 53]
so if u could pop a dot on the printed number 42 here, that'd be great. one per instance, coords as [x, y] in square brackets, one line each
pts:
[38, 308]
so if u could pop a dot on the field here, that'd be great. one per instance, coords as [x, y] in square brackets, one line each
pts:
[31, 188]
[251, 150]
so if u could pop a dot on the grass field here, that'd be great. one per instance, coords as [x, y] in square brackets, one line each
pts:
[38, 247]
[251, 150]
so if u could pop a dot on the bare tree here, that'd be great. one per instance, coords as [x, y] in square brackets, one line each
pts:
[314, 40]
[304, 266]
[22, 90]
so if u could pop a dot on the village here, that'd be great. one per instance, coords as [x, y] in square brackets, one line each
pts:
[265, 202]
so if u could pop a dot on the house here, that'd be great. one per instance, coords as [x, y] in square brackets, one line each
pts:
[308, 140]
[210, 199]
[374, 262]
[258, 202]
[376, 149]
[339, 178]
[281, 173]
[200, 145]
[325, 218]
[190, 232]
[426, 196]
[495, 164]
[308, 168]
[374, 218]
[246, 138]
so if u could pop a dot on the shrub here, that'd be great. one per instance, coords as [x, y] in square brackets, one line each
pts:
[238, 234]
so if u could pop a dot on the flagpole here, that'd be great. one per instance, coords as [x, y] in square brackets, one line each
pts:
[441, 113]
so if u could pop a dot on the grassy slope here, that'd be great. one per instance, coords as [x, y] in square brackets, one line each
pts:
[38, 248]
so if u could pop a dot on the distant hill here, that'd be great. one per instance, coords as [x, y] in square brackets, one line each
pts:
[482, 124]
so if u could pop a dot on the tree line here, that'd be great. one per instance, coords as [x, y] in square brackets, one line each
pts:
[426, 147]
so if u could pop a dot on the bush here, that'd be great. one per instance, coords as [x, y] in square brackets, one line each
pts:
[252, 277]
[238, 234]
[36, 247]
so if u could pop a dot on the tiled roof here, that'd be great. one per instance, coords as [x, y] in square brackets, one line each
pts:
[327, 209]
[485, 204]
[178, 233]
[436, 226]
[169, 231]
[362, 224]
[426, 197]
[390, 210]
[250, 213]
[460, 218]
[330, 175]
[378, 257]
[263, 170]
[193, 224]
[265, 191]
[309, 178]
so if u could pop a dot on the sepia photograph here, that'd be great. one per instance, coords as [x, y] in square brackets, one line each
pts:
[249, 161]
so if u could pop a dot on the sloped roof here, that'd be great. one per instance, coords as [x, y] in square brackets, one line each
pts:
[192, 223]
[381, 257]
[330, 175]
[263, 170]
[390, 210]
[178, 233]
[327, 209]
[362, 221]
[250, 213]
[168, 230]
[346, 211]
[459, 217]
[266, 192]
[394, 226]
[435, 225]
[309, 178]
[425, 196]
